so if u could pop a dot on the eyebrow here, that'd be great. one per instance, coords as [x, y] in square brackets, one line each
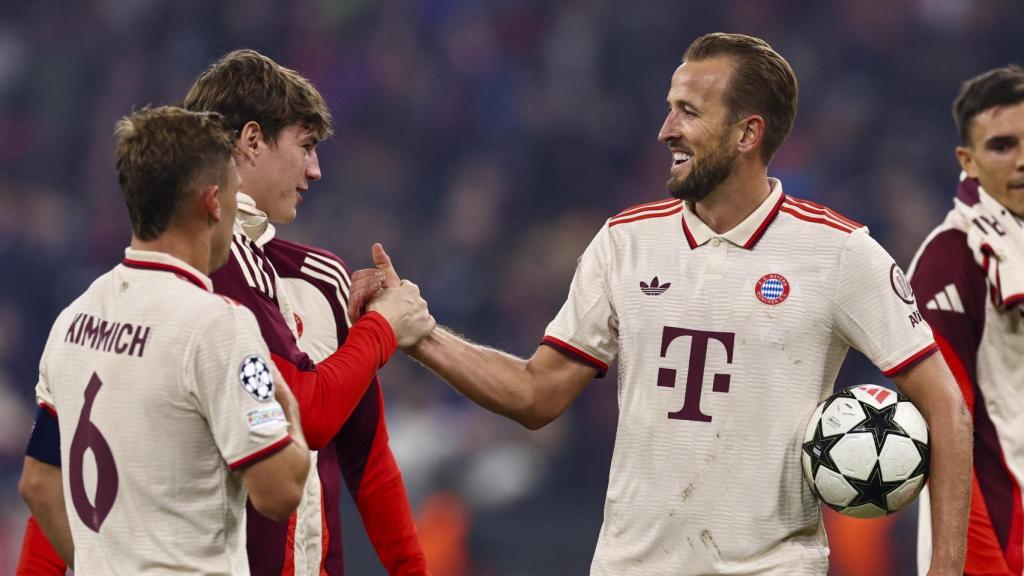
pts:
[1002, 140]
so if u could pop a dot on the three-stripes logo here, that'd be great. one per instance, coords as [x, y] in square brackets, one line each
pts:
[654, 288]
[947, 300]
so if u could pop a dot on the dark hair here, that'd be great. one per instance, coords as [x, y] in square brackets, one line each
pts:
[997, 87]
[161, 154]
[245, 86]
[762, 83]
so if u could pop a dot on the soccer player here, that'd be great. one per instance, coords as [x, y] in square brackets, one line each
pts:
[730, 308]
[299, 294]
[167, 385]
[969, 273]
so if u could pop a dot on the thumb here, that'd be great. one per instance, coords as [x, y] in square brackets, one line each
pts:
[383, 263]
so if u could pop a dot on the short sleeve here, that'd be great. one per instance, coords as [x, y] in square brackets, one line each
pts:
[234, 387]
[44, 395]
[586, 327]
[875, 308]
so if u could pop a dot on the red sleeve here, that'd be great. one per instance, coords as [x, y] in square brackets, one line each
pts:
[326, 392]
[329, 392]
[38, 558]
[375, 482]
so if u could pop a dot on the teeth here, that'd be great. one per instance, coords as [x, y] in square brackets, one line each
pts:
[680, 157]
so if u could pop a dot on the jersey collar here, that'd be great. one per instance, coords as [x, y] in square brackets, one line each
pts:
[253, 222]
[148, 260]
[746, 233]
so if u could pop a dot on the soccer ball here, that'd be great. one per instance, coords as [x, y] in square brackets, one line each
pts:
[865, 451]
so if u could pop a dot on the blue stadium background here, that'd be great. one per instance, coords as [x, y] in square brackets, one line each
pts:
[483, 142]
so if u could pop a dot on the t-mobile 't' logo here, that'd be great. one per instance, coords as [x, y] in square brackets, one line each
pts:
[695, 370]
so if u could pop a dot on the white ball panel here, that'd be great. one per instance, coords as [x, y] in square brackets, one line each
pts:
[905, 494]
[805, 462]
[898, 458]
[833, 488]
[840, 416]
[812, 424]
[854, 455]
[912, 421]
[864, 511]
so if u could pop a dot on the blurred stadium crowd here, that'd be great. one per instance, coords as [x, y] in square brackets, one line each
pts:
[483, 142]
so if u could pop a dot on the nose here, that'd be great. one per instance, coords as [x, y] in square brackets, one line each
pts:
[312, 166]
[669, 128]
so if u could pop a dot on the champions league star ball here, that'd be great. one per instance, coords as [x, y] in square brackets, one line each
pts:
[865, 451]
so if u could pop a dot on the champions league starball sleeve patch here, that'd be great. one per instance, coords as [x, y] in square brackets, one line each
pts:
[254, 374]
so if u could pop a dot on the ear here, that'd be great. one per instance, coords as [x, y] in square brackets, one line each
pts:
[209, 200]
[966, 159]
[250, 142]
[752, 133]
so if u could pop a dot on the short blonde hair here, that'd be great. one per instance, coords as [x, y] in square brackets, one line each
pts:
[161, 154]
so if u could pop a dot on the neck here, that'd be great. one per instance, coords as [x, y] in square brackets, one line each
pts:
[734, 199]
[192, 249]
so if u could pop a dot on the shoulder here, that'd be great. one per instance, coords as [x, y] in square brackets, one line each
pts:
[293, 256]
[945, 258]
[945, 248]
[649, 211]
[813, 217]
[219, 316]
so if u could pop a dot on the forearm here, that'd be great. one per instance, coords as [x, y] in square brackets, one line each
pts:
[327, 396]
[950, 485]
[41, 488]
[497, 381]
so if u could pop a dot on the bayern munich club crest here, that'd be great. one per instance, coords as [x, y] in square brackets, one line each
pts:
[772, 289]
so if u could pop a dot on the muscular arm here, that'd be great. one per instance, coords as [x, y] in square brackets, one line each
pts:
[532, 392]
[931, 388]
[42, 490]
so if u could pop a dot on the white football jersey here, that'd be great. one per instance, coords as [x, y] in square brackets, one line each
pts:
[163, 391]
[726, 343]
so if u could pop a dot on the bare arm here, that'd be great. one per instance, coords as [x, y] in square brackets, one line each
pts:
[42, 489]
[532, 392]
[931, 387]
[276, 483]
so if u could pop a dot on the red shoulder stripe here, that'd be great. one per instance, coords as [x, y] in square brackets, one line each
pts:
[648, 206]
[645, 216]
[827, 222]
[824, 210]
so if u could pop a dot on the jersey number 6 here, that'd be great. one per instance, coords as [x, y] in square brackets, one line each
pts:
[88, 436]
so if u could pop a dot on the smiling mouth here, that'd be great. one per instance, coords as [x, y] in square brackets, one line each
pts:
[680, 158]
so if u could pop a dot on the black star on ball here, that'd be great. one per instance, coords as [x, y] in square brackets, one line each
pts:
[818, 449]
[872, 491]
[880, 423]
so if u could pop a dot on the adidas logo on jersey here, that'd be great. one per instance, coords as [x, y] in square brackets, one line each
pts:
[948, 300]
[654, 288]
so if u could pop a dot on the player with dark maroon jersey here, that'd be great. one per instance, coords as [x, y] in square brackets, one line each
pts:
[969, 275]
